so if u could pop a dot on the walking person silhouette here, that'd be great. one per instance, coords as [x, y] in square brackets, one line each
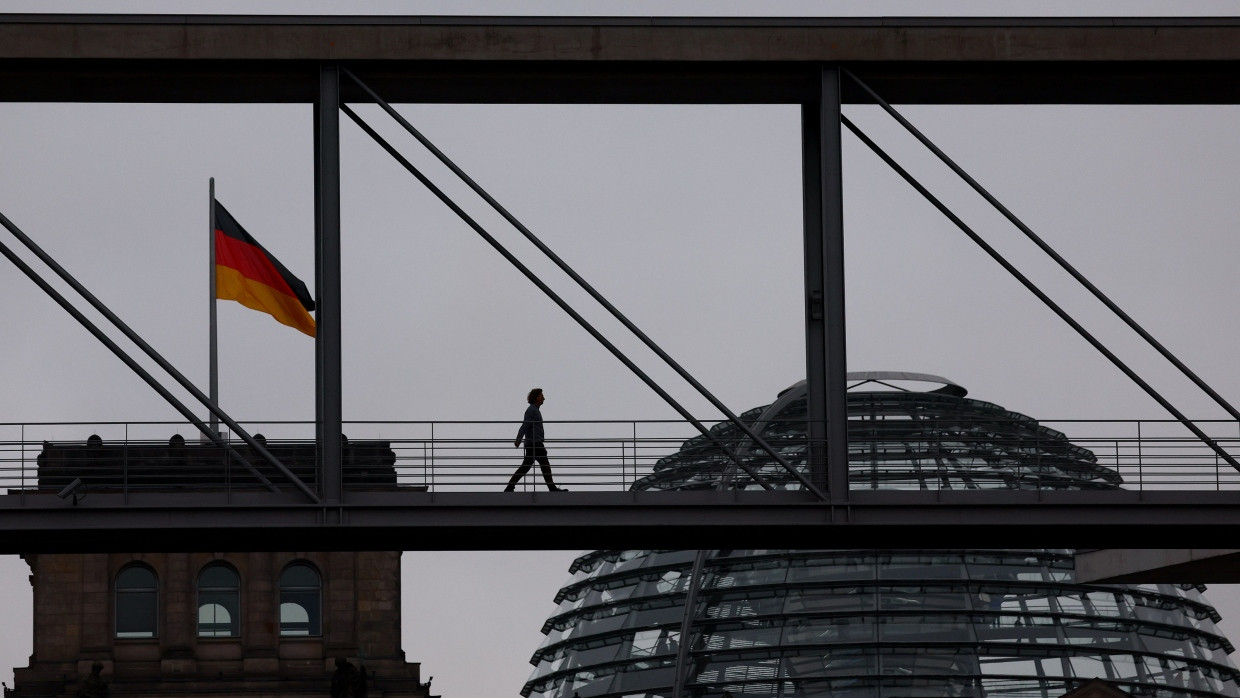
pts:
[531, 435]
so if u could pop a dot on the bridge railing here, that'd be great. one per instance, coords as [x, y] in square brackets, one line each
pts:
[613, 455]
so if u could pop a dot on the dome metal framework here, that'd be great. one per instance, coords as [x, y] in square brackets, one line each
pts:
[876, 623]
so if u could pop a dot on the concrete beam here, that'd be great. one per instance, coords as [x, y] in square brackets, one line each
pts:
[1171, 565]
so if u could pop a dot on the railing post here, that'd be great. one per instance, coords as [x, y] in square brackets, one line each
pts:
[636, 459]
[125, 467]
[1140, 460]
[228, 467]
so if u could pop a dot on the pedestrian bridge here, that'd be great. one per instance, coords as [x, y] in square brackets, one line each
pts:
[336, 484]
[438, 485]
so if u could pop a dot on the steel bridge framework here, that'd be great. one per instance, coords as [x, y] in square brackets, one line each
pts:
[206, 59]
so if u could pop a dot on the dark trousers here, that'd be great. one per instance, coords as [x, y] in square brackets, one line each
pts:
[534, 451]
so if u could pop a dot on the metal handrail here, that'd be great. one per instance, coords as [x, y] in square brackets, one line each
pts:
[615, 455]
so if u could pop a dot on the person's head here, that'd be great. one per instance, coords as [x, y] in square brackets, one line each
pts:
[535, 397]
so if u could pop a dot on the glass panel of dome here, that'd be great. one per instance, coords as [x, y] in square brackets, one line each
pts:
[742, 638]
[670, 582]
[617, 593]
[1038, 603]
[648, 643]
[759, 604]
[945, 600]
[918, 566]
[750, 577]
[660, 616]
[593, 655]
[1087, 667]
[1155, 615]
[816, 631]
[830, 600]
[605, 625]
[1106, 603]
[925, 629]
[639, 680]
[1019, 666]
[1021, 688]
[858, 567]
[543, 669]
[1071, 603]
[671, 557]
[920, 598]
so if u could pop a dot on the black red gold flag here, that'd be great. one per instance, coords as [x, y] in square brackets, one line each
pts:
[247, 273]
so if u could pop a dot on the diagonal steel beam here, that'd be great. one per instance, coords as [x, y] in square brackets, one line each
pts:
[581, 282]
[1033, 237]
[542, 286]
[994, 254]
[143, 373]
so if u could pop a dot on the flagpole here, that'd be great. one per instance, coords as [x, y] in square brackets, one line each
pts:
[214, 384]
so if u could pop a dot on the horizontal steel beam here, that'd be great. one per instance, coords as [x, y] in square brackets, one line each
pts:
[901, 82]
[615, 39]
[206, 59]
[570, 520]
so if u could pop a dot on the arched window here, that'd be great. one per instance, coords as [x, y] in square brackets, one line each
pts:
[137, 602]
[219, 601]
[301, 594]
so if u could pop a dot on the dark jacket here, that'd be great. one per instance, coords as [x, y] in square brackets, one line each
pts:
[532, 428]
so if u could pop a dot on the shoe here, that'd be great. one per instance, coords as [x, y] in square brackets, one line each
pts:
[558, 489]
[508, 489]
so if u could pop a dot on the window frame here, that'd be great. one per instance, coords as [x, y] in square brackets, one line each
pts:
[224, 594]
[131, 593]
[314, 621]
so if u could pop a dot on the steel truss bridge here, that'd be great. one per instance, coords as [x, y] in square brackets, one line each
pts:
[818, 64]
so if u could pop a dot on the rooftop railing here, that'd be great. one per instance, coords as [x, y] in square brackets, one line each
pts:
[616, 455]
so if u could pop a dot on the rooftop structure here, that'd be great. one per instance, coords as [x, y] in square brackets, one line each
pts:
[217, 624]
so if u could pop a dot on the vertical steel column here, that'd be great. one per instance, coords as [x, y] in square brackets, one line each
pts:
[826, 366]
[327, 277]
[815, 318]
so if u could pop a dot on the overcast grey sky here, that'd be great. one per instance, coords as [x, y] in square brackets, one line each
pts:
[687, 218]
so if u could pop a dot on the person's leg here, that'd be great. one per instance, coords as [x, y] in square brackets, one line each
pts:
[544, 464]
[525, 468]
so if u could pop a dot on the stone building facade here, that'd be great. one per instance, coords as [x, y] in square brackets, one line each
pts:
[216, 624]
[211, 625]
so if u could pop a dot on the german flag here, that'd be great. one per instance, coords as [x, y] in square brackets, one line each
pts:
[250, 275]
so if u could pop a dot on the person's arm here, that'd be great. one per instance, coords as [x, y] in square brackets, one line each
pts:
[526, 428]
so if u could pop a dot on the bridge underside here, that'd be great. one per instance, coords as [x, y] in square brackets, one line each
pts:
[548, 82]
[581, 520]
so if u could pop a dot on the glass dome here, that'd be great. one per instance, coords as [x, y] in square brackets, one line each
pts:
[876, 623]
